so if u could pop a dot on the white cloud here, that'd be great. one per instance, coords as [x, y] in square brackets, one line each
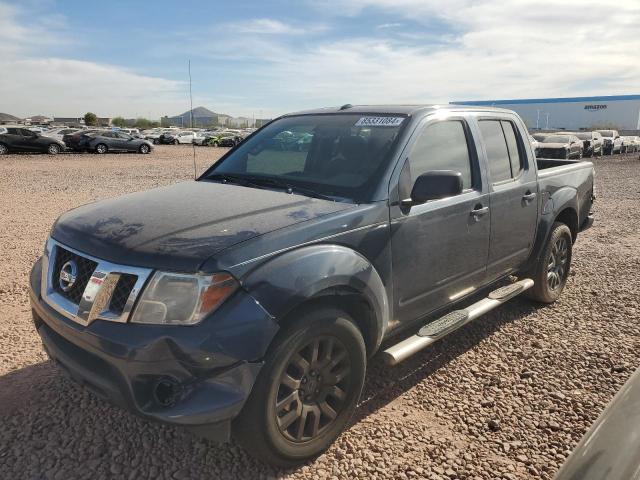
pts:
[70, 87]
[494, 49]
[31, 83]
[268, 26]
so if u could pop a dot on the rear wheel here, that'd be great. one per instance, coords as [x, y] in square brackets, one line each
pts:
[101, 148]
[552, 270]
[3, 149]
[307, 390]
[175, 142]
[53, 149]
[156, 141]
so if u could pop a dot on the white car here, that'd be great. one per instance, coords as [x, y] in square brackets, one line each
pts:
[612, 141]
[184, 137]
[58, 133]
[630, 144]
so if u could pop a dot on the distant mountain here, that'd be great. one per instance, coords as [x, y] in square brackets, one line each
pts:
[5, 117]
[199, 112]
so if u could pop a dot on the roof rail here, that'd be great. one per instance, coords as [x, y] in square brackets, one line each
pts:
[346, 106]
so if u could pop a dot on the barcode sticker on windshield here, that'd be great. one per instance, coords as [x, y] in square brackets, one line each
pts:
[379, 122]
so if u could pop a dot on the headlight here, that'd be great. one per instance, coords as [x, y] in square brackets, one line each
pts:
[180, 299]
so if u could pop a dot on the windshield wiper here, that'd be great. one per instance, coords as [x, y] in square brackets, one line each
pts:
[274, 182]
[262, 182]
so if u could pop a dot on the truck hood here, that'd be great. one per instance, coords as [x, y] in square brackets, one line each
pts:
[180, 226]
[554, 145]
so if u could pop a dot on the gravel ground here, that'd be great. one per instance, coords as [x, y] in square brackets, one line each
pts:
[508, 396]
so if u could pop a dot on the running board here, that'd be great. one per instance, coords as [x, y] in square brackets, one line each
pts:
[434, 331]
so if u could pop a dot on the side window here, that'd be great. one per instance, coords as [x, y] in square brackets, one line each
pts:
[13, 131]
[512, 145]
[442, 146]
[497, 151]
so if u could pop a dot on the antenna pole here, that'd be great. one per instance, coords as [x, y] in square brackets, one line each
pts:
[195, 169]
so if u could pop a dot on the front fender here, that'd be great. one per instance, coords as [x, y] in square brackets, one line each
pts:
[296, 276]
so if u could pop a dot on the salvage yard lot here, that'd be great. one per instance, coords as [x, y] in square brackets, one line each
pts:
[508, 396]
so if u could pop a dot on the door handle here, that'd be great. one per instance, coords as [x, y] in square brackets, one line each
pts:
[479, 211]
[529, 196]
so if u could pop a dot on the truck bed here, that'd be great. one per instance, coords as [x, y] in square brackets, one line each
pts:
[546, 163]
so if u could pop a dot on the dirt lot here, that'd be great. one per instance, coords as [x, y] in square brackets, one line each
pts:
[506, 397]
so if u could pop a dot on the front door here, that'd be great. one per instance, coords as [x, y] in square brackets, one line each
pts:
[514, 195]
[439, 248]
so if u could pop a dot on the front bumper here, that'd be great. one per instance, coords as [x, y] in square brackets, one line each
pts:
[198, 376]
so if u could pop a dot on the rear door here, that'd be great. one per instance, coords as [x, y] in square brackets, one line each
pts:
[439, 248]
[514, 193]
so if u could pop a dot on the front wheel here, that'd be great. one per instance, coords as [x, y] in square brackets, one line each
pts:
[144, 148]
[3, 149]
[101, 148]
[552, 270]
[307, 389]
[156, 141]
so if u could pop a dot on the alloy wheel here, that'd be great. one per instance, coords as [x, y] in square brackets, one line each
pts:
[313, 388]
[557, 266]
[3, 149]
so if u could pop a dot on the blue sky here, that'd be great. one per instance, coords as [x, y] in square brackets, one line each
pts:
[264, 58]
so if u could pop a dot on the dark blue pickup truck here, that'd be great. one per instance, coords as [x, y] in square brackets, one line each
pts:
[247, 303]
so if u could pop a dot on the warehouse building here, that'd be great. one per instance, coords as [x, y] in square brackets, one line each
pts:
[620, 111]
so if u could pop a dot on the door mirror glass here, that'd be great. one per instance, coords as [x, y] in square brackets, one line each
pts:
[434, 185]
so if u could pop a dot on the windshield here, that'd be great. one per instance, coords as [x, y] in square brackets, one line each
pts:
[557, 139]
[336, 155]
[606, 133]
[584, 136]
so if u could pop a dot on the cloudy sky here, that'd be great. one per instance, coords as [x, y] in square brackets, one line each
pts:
[262, 58]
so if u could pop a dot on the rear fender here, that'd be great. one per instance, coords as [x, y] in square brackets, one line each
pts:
[289, 280]
[552, 206]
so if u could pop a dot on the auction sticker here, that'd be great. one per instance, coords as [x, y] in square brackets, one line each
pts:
[379, 122]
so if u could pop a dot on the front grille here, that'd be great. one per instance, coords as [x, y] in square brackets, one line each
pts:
[551, 153]
[85, 266]
[121, 293]
[101, 291]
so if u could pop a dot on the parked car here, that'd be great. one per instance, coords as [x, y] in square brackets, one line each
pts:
[114, 141]
[630, 144]
[59, 133]
[78, 141]
[591, 143]
[229, 141]
[200, 138]
[247, 303]
[166, 138]
[19, 139]
[611, 140]
[184, 137]
[560, 146]
[609, 450]
[134, 132]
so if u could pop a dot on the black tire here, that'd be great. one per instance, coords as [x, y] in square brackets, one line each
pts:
[552, 270]
[144, 149]
[282, 421]
[156, 141]
[101, 149]
[4, 150]
[175, 142]
[53, 149]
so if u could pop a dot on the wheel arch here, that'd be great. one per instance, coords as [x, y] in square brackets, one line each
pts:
[327, 275]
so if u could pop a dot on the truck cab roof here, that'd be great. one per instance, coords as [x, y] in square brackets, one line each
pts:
[410, 109]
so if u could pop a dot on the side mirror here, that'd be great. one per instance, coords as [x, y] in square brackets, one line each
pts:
[434, 185]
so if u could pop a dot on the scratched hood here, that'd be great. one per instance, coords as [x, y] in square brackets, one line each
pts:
[180, 226]
[554, 145]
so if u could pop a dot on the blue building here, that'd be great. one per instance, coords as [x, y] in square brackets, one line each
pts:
[573, 113]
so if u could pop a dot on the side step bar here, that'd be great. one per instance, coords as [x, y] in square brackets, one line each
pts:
[452, 321]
